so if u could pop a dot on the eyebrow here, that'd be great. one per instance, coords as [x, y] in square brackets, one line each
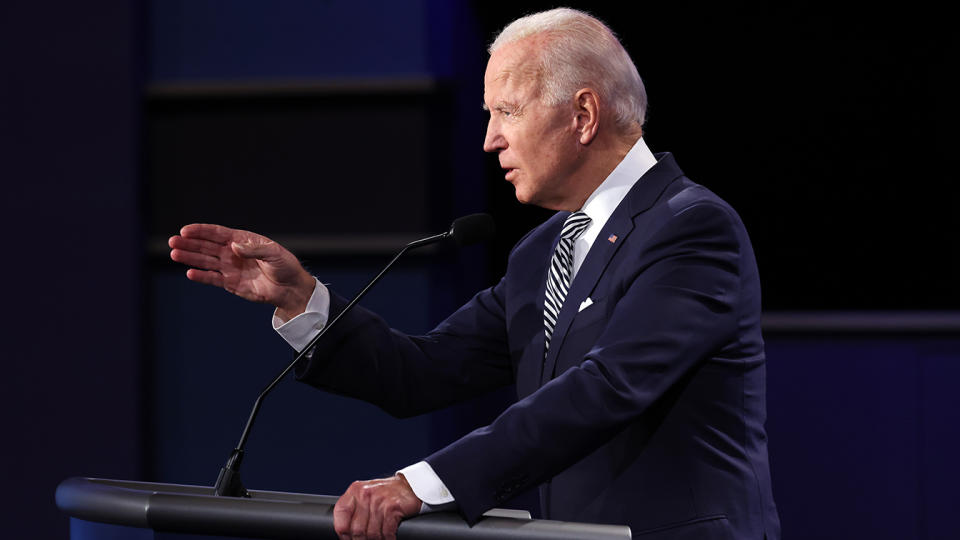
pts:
[502, 104]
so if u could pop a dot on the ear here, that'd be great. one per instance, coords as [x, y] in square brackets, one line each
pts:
[588, 114]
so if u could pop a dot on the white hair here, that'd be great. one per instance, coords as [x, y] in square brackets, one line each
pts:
[581, 51]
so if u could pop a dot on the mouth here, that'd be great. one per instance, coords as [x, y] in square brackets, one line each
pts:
[510, 174]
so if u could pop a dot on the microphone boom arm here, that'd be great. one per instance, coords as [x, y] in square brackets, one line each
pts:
[228, 481]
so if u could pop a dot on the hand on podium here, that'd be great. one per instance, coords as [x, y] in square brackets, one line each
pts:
[246, 264]
[373, 509]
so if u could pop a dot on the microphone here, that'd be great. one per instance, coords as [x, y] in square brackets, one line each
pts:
[464, 231]
[472, 229]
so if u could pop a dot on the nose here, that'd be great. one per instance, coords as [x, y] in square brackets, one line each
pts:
[494, 140]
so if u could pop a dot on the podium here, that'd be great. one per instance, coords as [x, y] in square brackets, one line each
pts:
[123, 509]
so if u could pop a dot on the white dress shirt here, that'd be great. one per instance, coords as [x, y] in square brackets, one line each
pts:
[298, 331]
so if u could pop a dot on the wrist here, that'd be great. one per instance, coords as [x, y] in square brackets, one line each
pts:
[297, 297]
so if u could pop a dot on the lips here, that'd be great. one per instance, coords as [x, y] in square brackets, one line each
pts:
[510, 172]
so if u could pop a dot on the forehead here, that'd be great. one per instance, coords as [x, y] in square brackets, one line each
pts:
[512, 66]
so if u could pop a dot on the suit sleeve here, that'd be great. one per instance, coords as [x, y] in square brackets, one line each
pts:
[677, 309]
[362, 357]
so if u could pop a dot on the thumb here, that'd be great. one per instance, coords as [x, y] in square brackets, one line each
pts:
[253, 249]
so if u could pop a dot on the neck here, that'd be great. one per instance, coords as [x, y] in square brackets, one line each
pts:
[601, 157]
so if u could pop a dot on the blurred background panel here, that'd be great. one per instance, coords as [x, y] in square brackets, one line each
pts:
[358, 141]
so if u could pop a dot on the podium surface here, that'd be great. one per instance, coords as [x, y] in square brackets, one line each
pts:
[195, 510]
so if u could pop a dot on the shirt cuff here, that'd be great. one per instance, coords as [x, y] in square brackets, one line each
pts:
[428, 487]
[299, 330]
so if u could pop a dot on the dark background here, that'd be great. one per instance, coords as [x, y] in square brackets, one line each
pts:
[831, 131]
[345, 129]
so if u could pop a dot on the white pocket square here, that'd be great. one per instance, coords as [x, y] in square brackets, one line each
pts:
[585, 304]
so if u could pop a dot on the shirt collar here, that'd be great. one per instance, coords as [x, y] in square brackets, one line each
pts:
[610, 193]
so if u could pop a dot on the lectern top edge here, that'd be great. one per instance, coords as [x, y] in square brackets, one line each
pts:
[270, 514]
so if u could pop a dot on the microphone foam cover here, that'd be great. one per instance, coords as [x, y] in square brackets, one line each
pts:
[472, 229]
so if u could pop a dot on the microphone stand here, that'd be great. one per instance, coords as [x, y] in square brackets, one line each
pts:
[228, 481]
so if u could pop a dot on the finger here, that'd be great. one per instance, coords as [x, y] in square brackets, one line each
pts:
[196, 260]
[192, 244]
[391, 524]
[343, 515]
[206, 277]
[208, 231]
[375, 522]
[361, 515]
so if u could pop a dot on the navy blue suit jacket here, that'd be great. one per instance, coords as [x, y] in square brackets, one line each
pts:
[648, 409]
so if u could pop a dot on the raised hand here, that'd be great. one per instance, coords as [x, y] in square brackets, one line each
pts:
[246, 264]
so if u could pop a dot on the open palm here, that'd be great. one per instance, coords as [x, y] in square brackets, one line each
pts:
[244, 263]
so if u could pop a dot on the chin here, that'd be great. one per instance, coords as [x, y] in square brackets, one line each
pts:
[520, 194]
[528, 196]
[523, 197]
[522, 200]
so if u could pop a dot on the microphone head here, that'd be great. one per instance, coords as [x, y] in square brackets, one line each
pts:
[471, 229]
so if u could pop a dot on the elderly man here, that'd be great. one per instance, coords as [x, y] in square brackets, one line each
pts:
[629, 322]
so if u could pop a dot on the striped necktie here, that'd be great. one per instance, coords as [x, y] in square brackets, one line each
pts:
[561, 266]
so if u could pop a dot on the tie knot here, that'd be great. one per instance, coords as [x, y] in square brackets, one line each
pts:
[574, 226]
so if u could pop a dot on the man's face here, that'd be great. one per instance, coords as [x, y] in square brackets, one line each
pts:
[538, 145]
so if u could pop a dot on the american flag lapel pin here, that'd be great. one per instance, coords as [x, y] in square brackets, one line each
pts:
[612, 238]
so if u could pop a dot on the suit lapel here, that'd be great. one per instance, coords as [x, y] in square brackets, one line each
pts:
[618, 228]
